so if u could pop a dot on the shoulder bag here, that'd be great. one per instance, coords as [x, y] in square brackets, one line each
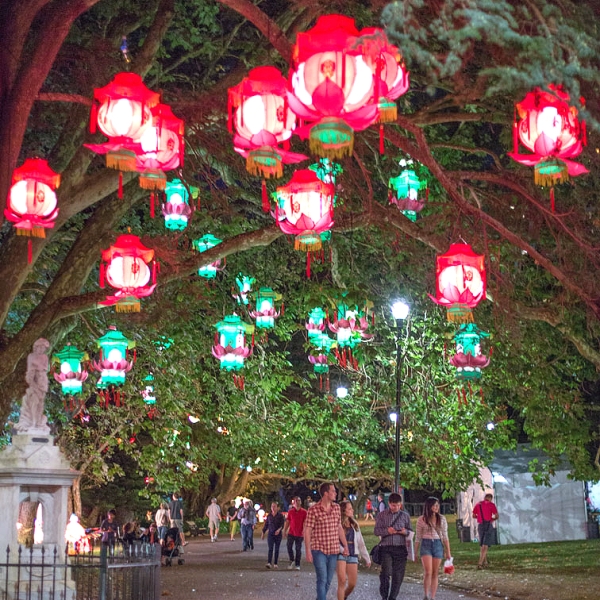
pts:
[376, 555]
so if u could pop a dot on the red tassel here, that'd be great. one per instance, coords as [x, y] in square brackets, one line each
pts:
[282, 309]
[552, 199]
[381, 140]
[152, 202]
[252, 339]
[216, 339]
[198, 203]
[102, 271]
[491, 351]
[464, 396]
[134, 354]
[265, 197]
[584, 132]
[327, 383]
[308, 265]
[154, 270]
[229, 115]
[515, 133]
[120, 192]
[94, 118]
[320, 382]
[373, 319]
[29, 252]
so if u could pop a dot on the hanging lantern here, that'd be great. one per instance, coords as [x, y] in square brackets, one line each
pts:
[113, 364]
[460, 282]
[315, 326]
[148, 392]
[259, 112]
[122, 111]
[331, 87]
[230, 345]
[468, 359]
[71, 375]
[320, 361]
[161, 148]
[31, 204]
[206, 242]
[176, 209]
[244, 286]
[350, 328]
[549, 128]
[403, 191]
[327, 170]
[265, 312]
[126, 268]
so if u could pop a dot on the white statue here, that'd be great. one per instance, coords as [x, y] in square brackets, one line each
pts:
[32, 419]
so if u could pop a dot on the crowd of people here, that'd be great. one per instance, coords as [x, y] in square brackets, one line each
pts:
[331, 536]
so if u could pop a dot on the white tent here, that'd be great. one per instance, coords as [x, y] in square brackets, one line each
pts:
[465, 501]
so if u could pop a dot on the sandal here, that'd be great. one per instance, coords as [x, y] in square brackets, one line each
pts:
[479, 567]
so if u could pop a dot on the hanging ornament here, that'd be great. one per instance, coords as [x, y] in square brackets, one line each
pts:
[468, 359]
[332, 88]
[126, 266]
[549, 128]
[230, 345]
[244, 286]
[148, 392]
[72, 374]
[320, 361]
[350, 327]
[315, 326]
[403, 191]
[460, 282]
[176, 209]
[265, 312]
[32, 204]
[206, 242]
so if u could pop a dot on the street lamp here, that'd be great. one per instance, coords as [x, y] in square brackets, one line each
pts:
[399, 312]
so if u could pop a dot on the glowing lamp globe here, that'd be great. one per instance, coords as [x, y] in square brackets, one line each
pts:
[315, 326]
[176, 209]
[206, 242]
[331, 87]
[265, 312]
[125, 265]
[468, 359]
[71, 375]
[113, 364]
[403, 191]
[32, 204]
[460, 282]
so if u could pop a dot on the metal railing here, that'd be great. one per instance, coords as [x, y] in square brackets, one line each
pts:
[117, 572]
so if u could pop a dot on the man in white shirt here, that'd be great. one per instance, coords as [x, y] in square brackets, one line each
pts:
[213, 512]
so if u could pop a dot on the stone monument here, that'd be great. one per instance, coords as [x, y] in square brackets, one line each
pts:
[33, 473]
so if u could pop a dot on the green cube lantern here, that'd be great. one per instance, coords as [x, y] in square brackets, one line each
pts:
[206, 242]
[230, 345]
[468, 359]
[244, 285]
[148, 392]
[404, 191]
[265, 313]
[113, 364]
[316, 323]
[72, 375]
[176, 209]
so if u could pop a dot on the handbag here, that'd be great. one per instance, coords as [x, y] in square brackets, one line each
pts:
[376, 552]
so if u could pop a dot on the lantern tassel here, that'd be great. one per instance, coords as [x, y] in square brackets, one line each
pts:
[102, 274]
[93, 118]
[327, 382]
[265, 197]
[320, 382]
[515, 133]
[584, 132]
[120, 192]
[154, 270]
[134, 355]
[552, 206]
[381, 140]
[152, 201]
[29, 252]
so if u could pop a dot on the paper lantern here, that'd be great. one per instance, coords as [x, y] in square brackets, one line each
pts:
[206, 242]
[320, 361]
[176, 209]
[331, 87]
[265, 312]
[315, 326]
[403, 191]
[128, 266]
[244, 285]
[549, 128]
[32, 204]
[230, 345]
[148, 392]
[71, 374]
[460, 282]
[350, 327]
[468, 359]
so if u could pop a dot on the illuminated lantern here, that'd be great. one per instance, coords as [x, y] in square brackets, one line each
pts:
[126, 268]
[549, 128]
[244, 285]
[206, 242]
[404, 191]
[460, 282]
[31, 204]
[468, 359]
[71, 375]
[305, 209]
[230, 345]
[148, 392]
[122, 111]
[315, 326]
[113, 364]
[327, 170]
[176, 209]
[265, 312]
[350, 327]
[332, 88]
[320, 361]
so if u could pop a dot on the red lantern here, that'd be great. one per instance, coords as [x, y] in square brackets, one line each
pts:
[259, 112]
[126, 268]
[332, 87]
[460, 282]
[550, 129]
[31, 204]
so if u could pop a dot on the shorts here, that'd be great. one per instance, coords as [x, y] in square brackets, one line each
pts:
[433, 548]
[349, 560]
[214, 523]
[177, 523]
[486, 533]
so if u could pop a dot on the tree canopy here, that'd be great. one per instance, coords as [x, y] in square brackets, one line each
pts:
[469, 62]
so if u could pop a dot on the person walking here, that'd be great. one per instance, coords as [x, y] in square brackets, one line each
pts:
[232, 520]
[347, 566]
[323, 534]
[274, 528]
[432, 538]
[247, 517]
[294, 530]
[486, 513]
[369, 510]
[380, 503]
[110, 530]
[392, 526]
[176, 516]
[163, 521]
[213, 512]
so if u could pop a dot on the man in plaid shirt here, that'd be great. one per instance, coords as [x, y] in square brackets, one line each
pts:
[323, 534]
[392, 526]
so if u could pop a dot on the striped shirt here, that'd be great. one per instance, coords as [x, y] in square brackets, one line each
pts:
[425, 531]
[400, 520]
[325, 528]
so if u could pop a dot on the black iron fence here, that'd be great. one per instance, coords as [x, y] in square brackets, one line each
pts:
[101, 572]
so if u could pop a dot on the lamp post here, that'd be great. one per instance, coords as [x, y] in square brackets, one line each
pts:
[399, 312]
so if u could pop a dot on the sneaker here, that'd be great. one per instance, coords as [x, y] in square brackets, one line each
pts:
[268, 565]
[291, 566]
[185, 543]
[275, 567]
[212, 539]
[297, 567]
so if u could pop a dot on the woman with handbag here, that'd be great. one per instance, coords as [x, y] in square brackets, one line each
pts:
[486, 513]
[432, 540]
[347, 566]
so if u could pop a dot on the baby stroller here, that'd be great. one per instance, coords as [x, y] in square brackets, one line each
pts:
[171, 546]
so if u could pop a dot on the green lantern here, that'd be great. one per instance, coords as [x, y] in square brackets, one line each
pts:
[468, 359]
[404, 191]
[230, 342]
[113, 364]
[148, 393]
[244, 284]
[316, 323]
[265, 313]
[176, 209]
[206, 242]
[71, 376]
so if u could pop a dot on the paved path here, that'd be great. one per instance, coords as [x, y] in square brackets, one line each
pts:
[217, 571]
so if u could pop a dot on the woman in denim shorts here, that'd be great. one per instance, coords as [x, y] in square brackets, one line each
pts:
[347, 566]
[431, 540]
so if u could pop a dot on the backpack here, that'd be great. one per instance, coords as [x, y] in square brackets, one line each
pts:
[165, 521]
